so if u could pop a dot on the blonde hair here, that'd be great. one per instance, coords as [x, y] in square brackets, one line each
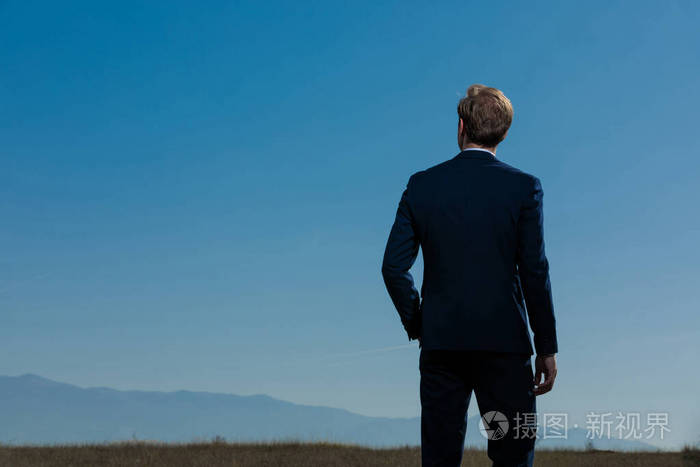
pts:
[487, 114]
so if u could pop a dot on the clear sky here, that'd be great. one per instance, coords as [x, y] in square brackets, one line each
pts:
[198, 196]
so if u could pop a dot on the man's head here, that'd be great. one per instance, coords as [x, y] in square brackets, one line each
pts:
[485, 114]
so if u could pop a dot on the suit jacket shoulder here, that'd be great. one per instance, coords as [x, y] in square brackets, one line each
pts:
[426, 174]
[522, 176]
[524, 181]
[528, 179]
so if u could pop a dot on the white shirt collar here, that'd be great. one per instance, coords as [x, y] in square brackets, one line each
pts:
[480, 149]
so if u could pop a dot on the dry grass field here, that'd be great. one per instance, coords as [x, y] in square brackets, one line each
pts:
[299, 455]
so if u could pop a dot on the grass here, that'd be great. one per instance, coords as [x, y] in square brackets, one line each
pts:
[294, 454]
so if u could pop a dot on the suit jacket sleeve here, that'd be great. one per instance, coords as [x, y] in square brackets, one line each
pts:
[400, 254]
[533, 269]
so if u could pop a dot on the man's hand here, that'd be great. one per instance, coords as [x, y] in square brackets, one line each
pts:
[545, 365]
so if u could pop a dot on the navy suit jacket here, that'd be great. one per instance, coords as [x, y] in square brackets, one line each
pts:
[479, 224]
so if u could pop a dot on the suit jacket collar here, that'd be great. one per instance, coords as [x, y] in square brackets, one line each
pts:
[473, 153]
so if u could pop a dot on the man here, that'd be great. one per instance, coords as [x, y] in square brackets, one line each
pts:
[479, 223]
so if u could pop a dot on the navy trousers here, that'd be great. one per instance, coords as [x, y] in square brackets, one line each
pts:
[502, 383]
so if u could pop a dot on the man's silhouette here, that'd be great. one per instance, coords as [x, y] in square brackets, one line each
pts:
[479, 223]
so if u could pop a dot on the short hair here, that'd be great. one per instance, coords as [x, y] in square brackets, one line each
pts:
[487, 114]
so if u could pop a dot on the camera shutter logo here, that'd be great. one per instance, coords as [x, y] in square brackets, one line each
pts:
[494, 425]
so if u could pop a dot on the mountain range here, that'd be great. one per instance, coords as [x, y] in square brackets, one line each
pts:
[37, 410]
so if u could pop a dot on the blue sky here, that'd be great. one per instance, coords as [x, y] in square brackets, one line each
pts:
[198, 197]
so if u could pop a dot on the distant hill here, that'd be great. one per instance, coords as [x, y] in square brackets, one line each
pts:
[38, 410]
